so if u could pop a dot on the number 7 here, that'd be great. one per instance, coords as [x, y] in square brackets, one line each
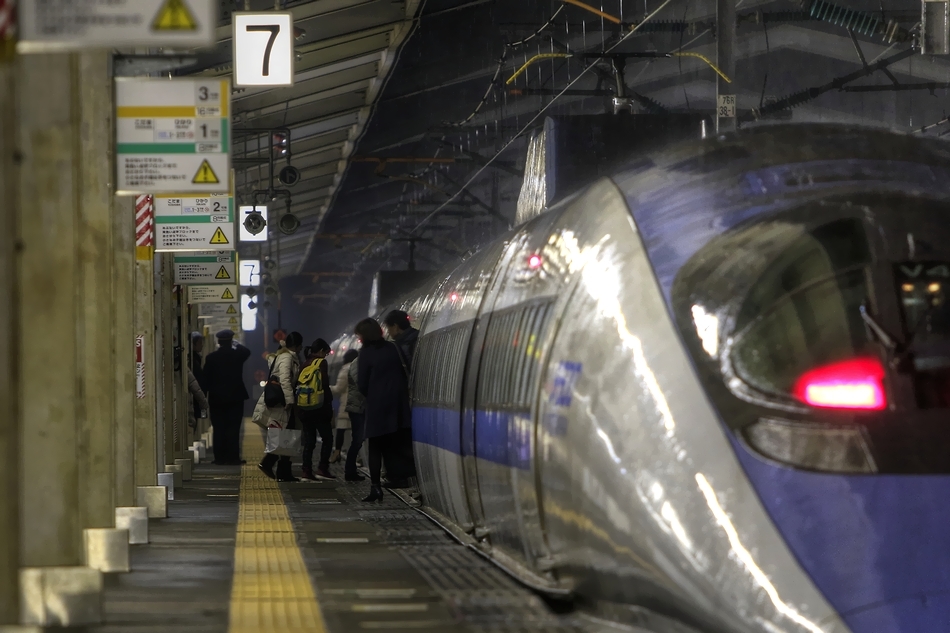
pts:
[274, 29]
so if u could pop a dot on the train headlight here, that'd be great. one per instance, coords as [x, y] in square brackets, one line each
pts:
[812, 446]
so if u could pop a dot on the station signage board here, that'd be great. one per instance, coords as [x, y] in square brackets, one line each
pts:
[46, 26]
[212, 293]
[172, 136]
[194, 223]
[225, 310]
[263, 48]
[206, 267]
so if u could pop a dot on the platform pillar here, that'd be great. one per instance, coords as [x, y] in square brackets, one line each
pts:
[96, 366]
[123, 263]
[145, 427]
[9, 345]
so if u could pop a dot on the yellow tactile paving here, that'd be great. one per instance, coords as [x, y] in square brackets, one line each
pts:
[271, 590]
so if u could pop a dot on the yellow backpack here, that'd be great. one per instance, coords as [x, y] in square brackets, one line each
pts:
[310, 386]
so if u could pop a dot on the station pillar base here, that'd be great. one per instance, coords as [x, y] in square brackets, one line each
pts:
[155, 499]
[60, 596]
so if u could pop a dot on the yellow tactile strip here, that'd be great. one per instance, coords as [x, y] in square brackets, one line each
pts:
[271, 590]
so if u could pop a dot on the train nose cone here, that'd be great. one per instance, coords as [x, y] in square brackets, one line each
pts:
[877, 546]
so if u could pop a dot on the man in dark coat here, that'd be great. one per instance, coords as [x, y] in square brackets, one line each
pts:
[403, 334]
[223, 375]
[383, 379]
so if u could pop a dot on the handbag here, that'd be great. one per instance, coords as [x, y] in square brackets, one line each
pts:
[285, 442]
[273, 392]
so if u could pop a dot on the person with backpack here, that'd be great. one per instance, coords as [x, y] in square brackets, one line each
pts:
[275, 408]
[384, 380]
[224, 380]
[315, 411]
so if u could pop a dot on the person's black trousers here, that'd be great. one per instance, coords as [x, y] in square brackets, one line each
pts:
[398, 456]
[358, 428]
[283, 464]
[312, 423]
[226, 425]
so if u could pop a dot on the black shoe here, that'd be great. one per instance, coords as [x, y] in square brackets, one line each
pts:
[290, 479]
[375, 494]
[266, 471]
[397, 484]
[355, 478]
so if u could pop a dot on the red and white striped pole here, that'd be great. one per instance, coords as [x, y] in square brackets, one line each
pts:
[7, 29]
[144, 226]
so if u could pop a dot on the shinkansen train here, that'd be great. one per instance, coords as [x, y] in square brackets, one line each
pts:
[710, 393]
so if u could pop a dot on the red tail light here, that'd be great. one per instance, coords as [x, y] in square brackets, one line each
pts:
[857, 383]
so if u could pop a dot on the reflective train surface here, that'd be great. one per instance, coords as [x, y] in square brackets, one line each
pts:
[710, 393]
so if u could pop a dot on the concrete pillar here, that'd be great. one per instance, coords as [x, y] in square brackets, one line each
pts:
[51, 530]
[167, 325]
[123, 324]
[9, 344]
[145, 428]
[95, 337]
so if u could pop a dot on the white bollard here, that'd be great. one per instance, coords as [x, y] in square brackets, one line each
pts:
[185, 468]
[106, 549]
[175, 469]
[167, 481]
[195, 459]
[155, 498]
[135, 520]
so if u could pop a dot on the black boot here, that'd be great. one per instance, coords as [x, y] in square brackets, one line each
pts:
[375, 494]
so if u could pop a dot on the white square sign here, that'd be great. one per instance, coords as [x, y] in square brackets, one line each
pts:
[263, 49]
[246, 235]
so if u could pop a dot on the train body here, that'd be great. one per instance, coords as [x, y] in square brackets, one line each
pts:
[710, 393]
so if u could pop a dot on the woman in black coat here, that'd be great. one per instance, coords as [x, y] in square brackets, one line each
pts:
[384, 380]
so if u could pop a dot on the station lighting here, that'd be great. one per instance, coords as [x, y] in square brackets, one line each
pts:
[248, 314]
[454, 296]
[534, 262]
[856, 383]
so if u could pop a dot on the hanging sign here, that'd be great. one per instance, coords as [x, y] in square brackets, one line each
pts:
[222, 324]
[219, 309]
[219, 293]
[194, 223]
[69, 25]
[263, 49]
[206, 267]
[172, 136]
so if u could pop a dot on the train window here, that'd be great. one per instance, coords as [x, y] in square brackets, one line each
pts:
[804, 309]
[440, 362]
[511, 356]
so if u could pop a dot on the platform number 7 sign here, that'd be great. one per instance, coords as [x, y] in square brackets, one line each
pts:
[263, 49]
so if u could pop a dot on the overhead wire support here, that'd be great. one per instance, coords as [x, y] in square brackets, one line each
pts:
[534, 119]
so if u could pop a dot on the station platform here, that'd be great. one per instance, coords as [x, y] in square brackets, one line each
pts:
[240, 552]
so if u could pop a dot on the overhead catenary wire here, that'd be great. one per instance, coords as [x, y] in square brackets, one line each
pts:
[534, 119]
[543, 56]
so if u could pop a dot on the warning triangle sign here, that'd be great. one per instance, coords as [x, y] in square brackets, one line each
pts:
[232, 320]
[231, 310]
[227, 294]
[222, 272]
[220, 238]
[174, 15]
[205, 175]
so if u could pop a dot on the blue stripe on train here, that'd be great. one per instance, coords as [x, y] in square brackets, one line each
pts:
[500, 437]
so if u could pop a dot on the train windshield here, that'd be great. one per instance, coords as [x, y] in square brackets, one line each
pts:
[803, 311]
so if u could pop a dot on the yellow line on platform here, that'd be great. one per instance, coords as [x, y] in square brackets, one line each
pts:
[271, 591]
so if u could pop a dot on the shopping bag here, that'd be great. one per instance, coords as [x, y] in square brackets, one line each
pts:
[282, 442]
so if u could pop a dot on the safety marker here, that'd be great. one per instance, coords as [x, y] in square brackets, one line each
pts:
[227, 294]
[174, 16]
[231, 310]
[232, 320]
[271, 590]
[205, 175]
[219, 238]
[222, 273]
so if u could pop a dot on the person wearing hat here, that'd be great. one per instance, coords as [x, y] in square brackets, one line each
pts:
[224, 382]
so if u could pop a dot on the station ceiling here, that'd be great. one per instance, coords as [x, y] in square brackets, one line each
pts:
[398, 106]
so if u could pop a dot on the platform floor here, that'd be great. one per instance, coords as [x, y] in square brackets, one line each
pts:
[310, 557]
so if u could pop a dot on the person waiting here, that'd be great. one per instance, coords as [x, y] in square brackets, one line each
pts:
[285, 366]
